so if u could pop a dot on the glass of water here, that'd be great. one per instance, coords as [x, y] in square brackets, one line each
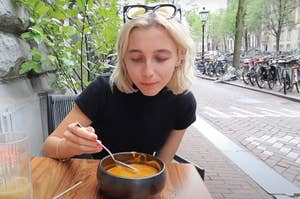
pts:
[15, 168]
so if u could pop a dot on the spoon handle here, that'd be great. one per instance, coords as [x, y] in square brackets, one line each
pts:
[117, 161]
[111, 155]
[106, 149]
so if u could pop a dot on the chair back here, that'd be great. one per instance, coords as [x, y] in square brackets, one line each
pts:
[58, 106]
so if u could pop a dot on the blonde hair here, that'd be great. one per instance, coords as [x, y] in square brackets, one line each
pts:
[182, 77]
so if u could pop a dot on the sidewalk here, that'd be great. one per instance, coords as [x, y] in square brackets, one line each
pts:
[291, 95]
[224, 179]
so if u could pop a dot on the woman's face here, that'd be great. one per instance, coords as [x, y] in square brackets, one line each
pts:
[150, 59]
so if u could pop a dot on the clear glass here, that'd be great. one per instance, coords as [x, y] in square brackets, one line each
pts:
[15, 168]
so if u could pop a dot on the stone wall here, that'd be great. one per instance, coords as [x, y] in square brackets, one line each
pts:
[20, 107]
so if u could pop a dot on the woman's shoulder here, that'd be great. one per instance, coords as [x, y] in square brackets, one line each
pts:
[99, 81]
[187, 95]
[186, 99]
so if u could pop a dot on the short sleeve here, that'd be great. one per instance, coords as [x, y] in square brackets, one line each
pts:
[186, 111]
[92, 99]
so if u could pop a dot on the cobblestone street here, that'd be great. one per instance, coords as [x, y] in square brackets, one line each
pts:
[263, 124]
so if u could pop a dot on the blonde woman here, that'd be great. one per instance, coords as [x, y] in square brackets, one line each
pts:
[146, 106]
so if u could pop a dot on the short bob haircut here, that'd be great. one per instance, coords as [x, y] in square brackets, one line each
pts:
[182, 77]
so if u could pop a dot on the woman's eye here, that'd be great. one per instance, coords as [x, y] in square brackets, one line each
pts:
[136, 59]
[161, 59]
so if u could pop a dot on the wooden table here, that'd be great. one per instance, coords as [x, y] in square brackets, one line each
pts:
[50, 177]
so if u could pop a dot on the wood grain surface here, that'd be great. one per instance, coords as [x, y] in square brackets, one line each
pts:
[51, 177]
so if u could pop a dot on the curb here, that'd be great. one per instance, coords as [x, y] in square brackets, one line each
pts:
[271, 92]
[292, 98]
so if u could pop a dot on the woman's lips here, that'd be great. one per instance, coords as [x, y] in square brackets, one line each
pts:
[148, 83]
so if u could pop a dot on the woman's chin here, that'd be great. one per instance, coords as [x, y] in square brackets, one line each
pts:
[150, 93]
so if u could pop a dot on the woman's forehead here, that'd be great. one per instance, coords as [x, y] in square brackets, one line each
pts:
[150, 37]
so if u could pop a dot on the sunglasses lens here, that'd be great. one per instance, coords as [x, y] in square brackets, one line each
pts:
[134, 12]
[167, 11]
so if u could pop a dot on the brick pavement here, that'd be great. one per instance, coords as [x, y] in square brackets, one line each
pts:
[278, 140]
[275, 141]
[223, 178]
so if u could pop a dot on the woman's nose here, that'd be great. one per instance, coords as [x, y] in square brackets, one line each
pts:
[148, 69]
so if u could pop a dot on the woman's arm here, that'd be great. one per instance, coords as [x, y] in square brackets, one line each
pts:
[169, 149]
[68, 139]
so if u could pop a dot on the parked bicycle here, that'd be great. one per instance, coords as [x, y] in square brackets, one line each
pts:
[248, 74]
[265, 73]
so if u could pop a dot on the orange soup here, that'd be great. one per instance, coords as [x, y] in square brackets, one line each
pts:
[144, 171]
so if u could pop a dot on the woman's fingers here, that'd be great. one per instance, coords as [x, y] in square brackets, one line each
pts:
[82, 139]
[90, 129]
[83, 132]
[81, 149]
[79, 140]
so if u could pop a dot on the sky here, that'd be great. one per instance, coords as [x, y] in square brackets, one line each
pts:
[211, 5]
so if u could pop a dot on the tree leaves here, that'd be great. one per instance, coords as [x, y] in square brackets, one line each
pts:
[79, 34]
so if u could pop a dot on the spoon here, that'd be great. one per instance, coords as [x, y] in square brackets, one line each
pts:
[117, 161]
[112, 156]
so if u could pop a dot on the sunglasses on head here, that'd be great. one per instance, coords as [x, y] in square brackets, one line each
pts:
[134, 11]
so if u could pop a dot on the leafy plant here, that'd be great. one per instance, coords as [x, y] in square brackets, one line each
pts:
[80, 36]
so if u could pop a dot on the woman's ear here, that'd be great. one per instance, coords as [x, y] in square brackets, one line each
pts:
[180, 58]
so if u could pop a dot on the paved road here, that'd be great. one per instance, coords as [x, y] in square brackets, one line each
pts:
[266, 125]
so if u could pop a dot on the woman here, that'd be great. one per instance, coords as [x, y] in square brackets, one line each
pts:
[146, 106]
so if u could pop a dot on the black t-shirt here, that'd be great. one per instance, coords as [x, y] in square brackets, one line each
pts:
[134, 122]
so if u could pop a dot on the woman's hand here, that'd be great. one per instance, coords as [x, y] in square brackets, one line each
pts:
[80, 140]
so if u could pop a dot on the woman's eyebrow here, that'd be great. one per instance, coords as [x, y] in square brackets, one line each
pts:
[134, 51]
[165, 51]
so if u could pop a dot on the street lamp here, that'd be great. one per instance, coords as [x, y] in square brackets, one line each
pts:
[204, 17]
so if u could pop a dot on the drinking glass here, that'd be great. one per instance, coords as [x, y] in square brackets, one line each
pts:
[15, 169]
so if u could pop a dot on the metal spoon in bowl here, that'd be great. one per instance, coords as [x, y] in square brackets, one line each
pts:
[117, 161]
[112, 156]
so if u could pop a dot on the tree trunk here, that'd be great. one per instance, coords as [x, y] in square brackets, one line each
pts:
[246, 40]
[239, 33]
[277, 41]
[225, 44]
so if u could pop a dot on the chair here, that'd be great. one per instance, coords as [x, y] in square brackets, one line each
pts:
[58, 106]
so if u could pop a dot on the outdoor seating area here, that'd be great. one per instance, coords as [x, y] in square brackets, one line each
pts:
[174, 100]
[60, 105]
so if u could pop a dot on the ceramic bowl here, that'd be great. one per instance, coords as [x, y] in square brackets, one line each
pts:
[113, 186]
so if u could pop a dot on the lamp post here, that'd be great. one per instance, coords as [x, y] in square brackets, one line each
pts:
[204, 17]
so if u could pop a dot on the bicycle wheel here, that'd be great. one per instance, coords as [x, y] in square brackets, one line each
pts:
[278, 75]
[252, 76]
[210, 70]
[271, 83]
[286, 81]
[259, 78]
[271, 77]
[297, 86]
[245, 77]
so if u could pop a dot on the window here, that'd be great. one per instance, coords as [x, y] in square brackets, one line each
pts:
[288, 34]
[283, 36]
[298, 17]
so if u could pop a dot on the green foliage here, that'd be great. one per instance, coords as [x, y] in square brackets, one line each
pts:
[79, 34]
[217, 26]
[254, 15]
[195, 23]
[230, 17]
